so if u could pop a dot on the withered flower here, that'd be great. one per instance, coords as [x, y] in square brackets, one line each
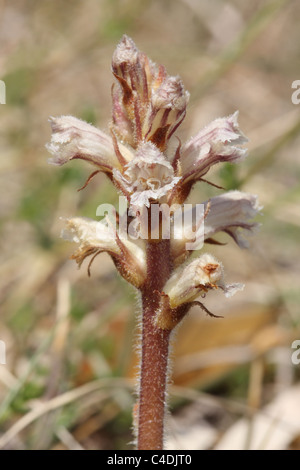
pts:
[138, 157]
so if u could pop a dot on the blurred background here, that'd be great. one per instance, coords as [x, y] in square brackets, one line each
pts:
[67, 339]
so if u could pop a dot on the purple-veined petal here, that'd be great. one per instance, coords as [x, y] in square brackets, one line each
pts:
[218, 142]
[95, 237]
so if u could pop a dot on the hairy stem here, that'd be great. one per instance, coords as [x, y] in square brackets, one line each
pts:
[155, 349]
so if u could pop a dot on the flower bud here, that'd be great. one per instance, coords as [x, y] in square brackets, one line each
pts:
[125, 57]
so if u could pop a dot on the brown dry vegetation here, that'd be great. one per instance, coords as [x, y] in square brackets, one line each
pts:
[67, 381]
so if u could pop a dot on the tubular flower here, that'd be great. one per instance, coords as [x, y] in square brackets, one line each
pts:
[149, 176]
[138, 157]
[219, 141]
[233, 213]
[148, 105]
[186, 284]
[96, 237]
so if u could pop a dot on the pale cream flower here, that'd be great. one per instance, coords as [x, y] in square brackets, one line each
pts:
[148, 107]
[197, 277]
[148, 104]
[95, 237]
[73, 139]
[220, 141]
[149, 176]
[217, 142]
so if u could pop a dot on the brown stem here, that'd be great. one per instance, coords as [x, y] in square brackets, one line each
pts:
[155, 349]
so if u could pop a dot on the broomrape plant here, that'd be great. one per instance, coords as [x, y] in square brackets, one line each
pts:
[151, 167]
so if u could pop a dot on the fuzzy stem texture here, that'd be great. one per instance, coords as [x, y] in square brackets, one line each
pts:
[155, 349]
